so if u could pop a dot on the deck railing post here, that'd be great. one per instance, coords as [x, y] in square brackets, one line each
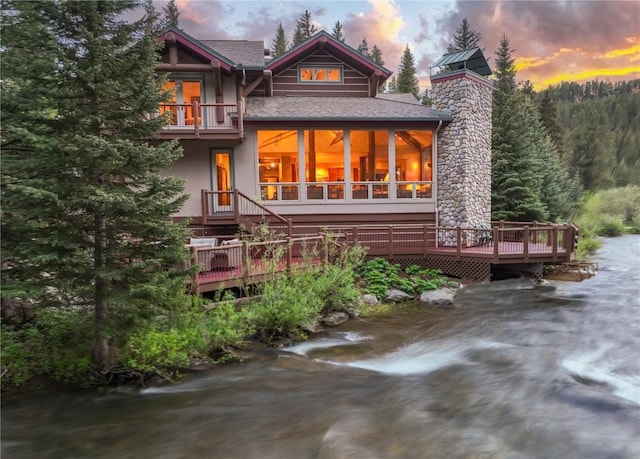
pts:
[496, 243]
[289, 253]
[245, 261]
[194, 261]
[458, 241]
[525, 242]
[196, 121]
[204, 201]
[325, 240]
[390, 237]
[425, 239]
[236, 204]
[554, 242]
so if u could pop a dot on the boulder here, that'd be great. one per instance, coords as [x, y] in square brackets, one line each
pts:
[442, 297]
[335, 318]
[396, 296]
[370, 299]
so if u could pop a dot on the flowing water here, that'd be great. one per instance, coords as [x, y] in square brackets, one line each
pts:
[512, 372]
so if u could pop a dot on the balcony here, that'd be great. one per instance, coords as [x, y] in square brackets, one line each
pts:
[206, 121]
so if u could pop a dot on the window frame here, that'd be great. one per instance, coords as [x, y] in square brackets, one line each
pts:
[315, 68]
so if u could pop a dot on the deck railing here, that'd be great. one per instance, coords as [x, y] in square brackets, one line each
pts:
[244, 211]
[245, 261]
[503, 239]
[202, 117]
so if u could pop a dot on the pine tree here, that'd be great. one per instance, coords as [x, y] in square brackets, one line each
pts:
[337, 31]
[516, 177]
[376, 55]
[86, 213]
[363, 47]
[407, 80]
[304, 29]
[393, 85]
[464, 38]
[279, 45]
[171, 14]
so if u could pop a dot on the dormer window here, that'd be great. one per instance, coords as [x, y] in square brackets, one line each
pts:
[320, 74]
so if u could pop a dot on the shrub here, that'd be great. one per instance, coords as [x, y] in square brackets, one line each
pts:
[610, 226]
[54, 347]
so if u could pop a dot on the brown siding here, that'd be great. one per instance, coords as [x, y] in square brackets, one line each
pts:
[353, 82]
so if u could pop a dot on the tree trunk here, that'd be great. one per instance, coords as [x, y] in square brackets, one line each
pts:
[101, 352]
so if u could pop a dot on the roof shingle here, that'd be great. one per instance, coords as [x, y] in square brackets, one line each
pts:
[338, 108]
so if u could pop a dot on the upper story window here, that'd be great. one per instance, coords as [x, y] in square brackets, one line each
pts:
[320, 74]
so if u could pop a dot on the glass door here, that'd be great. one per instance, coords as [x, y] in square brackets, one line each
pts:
[222, 181]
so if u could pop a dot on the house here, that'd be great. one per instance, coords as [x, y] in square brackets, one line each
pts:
[307, 141]
[309, 137]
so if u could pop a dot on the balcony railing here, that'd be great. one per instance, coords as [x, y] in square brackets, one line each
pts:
[340, 191]
[202, 117]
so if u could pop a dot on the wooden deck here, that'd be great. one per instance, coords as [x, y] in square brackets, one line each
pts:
[459, 252]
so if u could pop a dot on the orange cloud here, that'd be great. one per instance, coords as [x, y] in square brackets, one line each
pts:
[634, 50]
[523, 63]
[600, 73]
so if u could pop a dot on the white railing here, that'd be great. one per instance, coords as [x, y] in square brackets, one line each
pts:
[201, 116]
[340, 191]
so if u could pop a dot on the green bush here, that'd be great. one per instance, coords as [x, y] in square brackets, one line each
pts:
[55, 347]
[610, 226]
[379, 275]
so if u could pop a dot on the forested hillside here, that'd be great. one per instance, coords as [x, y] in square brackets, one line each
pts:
[599, 125]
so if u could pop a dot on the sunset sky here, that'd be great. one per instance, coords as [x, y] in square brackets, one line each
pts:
[553, 40]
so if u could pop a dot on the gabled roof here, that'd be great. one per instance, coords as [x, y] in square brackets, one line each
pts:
[470, 59]
[197, 47]
[243, 53]
[324, 40]
[349, 109]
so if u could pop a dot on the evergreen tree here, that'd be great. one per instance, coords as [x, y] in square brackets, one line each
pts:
[363, 47]
[337, 31]
[393, 85]
[465, 38]
[426, 98]
[376, 55]
[407, 80]
[279, 45]
[171, 14]
[549, 118]
[516, 175]
[86, 213]
[304, 29]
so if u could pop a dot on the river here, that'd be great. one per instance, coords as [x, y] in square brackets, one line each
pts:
[512, 372]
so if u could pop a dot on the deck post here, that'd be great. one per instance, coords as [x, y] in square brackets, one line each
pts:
[245, 261]
[496, 243]
[458, 241]
[194, 277]
[325, 239]
[425, 239]
[196, 122]
[525, 244]
[236, 204]
[289, 253]
[204, 201]
[554, 242]
[390, 230]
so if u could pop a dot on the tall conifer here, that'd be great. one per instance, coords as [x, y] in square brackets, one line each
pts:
[279, 45]
[86, 213]
[337, 31]
[407, 80]
[516, 177]
[304, 29]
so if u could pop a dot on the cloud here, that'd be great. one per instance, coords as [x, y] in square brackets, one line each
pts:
[556, 37]
[382, 26]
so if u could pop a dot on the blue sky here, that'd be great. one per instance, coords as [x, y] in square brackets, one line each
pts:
[553, 40]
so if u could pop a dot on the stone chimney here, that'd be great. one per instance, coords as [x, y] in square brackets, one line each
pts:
[463, 147]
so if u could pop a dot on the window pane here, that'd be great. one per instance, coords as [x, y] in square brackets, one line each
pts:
[305, 74]
[277, 163]
[369, 156]
[334, 74]
[324, 156]
[320, 75]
